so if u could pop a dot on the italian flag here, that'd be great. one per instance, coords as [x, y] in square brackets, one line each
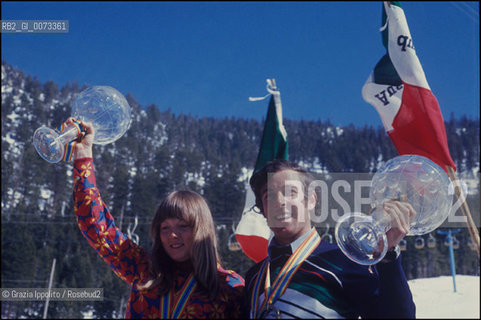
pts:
[398, 89]
[252, 232]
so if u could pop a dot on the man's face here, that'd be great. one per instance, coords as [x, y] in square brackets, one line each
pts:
[285, 206]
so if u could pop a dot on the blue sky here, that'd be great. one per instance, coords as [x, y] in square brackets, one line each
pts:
[207, 58]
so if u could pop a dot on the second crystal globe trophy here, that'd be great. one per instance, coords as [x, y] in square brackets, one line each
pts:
[410, 178]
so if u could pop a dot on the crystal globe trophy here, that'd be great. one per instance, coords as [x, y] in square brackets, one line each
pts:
[103, 106]
[410, 178]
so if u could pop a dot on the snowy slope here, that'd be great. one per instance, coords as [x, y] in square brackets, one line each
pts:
[435, 298]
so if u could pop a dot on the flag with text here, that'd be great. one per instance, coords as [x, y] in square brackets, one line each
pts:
[399, 91]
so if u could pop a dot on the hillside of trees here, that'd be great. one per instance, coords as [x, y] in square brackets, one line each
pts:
[163, 151]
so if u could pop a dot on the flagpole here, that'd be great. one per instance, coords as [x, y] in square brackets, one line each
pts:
[473, 230]
[273, 81]
[49, 288]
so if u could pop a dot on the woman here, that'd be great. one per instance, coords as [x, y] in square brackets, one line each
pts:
[181, 277]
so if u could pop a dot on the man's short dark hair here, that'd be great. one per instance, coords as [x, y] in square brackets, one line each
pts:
[259, 179]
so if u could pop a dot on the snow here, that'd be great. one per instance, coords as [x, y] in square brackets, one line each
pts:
[6, 89]
[245, 174]
[195, 177]
[339, 131]
[17, 101]
[13, 117]
[435, 297]
[9, 138]
[45, 193]
[133, 172]
[87, 314]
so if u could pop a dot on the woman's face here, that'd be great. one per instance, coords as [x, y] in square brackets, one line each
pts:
[176, 237]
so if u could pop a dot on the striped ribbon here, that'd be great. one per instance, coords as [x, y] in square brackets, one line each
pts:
[166, 300]
[257, 286]
[67, 156]
[271, 294]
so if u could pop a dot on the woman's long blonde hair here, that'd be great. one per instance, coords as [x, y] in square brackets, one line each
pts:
[193, 209]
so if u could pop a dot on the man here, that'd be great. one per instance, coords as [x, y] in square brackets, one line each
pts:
[303, 277]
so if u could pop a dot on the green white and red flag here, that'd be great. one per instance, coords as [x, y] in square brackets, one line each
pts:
[252, 232]
[399, 91]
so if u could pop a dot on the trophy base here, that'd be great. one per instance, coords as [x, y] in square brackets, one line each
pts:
[48, 144]
[360, 239]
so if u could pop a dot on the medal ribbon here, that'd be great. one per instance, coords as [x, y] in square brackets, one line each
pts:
[271, 294]
[257, 286]
[166, 300]
[67, 156]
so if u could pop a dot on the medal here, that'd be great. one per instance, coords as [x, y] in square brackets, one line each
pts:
[280, 284]
[268, 309]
